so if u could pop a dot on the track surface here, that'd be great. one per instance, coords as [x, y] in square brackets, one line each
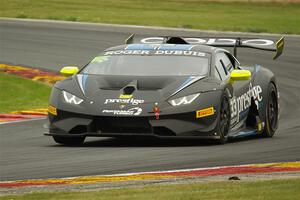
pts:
[25, 153]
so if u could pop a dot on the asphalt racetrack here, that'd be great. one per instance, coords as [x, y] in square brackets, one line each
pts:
[25, 153]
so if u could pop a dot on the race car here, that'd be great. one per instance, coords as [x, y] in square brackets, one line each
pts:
[167, 87]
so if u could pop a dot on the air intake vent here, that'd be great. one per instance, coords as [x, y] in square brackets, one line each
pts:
[128, 90]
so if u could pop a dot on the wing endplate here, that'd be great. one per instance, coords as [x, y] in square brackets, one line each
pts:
[279, 48]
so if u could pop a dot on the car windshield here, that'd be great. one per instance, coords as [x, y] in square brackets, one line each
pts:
[148, 65]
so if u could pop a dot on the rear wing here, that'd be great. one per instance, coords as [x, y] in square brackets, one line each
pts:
[254, 43]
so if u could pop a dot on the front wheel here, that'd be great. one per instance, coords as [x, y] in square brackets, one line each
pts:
[271, 111]
[224, 120]
[69, 140]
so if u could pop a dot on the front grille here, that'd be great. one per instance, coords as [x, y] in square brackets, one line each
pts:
[123, 125]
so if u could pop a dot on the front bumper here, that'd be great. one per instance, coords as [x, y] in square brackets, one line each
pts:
[185, 125]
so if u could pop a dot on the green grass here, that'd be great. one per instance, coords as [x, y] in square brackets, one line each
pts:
[248, 16]
[17, 93]
[237, 190]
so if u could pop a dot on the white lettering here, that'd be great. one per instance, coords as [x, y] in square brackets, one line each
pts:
[125, 101]
[258, 42]
[243, 102]
[132, 111]
[212, 41]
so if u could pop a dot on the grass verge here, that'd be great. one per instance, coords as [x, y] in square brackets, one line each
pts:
[17, 93]
[246, 16]
[246, 190]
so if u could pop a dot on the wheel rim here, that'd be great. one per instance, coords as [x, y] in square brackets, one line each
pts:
[224, 118]
[273, 111]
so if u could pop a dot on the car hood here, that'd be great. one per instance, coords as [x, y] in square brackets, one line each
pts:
[103, 95]
[152, 89]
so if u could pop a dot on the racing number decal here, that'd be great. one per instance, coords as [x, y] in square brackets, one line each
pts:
[240, 104]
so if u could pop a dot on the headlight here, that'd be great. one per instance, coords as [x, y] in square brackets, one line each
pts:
[184, 100]
[70, 98]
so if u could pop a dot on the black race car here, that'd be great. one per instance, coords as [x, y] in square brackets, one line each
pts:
[167, 87]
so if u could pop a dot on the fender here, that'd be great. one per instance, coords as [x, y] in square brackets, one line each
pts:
[263, 77]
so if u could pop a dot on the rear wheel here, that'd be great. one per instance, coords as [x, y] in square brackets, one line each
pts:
[224, 120]
[69, 140]
[271, 112]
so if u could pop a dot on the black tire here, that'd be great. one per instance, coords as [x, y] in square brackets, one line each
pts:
[69, 140]
[224, 120]
[272, 111]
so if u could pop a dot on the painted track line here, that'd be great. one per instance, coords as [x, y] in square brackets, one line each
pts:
[25, 120]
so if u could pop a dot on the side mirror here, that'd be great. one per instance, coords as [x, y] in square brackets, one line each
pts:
[69, 71]
[239, 75]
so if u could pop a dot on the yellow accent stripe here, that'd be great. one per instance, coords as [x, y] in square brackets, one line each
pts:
[41, 111]
[97, 179]
[284, 164]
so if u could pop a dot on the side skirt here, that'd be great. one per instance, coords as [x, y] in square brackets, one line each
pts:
[244, 133]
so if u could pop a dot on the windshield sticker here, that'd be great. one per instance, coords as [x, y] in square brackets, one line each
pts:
[128, 52]
[100, 59]
[132, 111]
[131, 101]
[156, 52]
[240, 104]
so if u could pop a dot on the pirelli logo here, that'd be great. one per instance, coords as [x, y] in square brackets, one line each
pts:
[205, 112]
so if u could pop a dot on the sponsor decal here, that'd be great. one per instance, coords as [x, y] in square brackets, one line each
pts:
[52, 110]
[156, 52]
[211, 41]
[100, 59]
[131, 101]
[156, 111]
[243, 102]
[125, 96]
[128, 52]
[205, 112]
[130, 112]
[179, 52]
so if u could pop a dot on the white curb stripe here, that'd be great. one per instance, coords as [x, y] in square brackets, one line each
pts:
[24, 120]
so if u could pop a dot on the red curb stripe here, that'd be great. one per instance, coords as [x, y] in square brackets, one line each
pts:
[21, 184]
[21, 116]
[232, 170]
[18, 117]
[31, 73]
[159, 175]
[46, 77]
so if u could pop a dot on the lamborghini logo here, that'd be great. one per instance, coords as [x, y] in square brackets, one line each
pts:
[122, 106]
